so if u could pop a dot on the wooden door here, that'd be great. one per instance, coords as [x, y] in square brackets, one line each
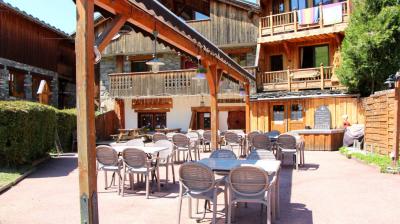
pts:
[278, 114]
[296, 117]
[203, 120]
[236, 120]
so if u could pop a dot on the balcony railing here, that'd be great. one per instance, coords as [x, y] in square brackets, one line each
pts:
[165, 83]
[288, 21]
[297, 79]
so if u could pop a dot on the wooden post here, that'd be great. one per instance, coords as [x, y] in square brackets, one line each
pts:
[247, 106]
[321, 16]
[348, 7]
[271, 23]
[260, 24]
[289, 79]
[84, 48]
[396, 131]
[321, 71]
[295, 20]
[213, 76]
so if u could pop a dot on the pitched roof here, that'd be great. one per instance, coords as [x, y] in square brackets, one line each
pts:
[34, 19]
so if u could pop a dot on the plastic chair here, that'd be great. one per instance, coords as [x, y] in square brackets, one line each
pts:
[287, 145]
[233, 139]
[197, 181]
[223, 154]
[166, 158]
[107, 160]
[249, 184]
[182, 144]
[261, 141]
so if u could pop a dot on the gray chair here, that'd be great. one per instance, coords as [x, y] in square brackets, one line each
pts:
[261, 141]
[166, 158]
[261, 154]
[137, 162]
[107, 160]
[249, 139]
[232, 139]
[197, 181]
[195, 142]
[159, 136]
[249, 184]
[206, 140]
[223, 154]
[287, 145]
[182, 144]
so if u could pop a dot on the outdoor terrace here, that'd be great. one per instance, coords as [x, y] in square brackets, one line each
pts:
[298, 79]
[285, 26]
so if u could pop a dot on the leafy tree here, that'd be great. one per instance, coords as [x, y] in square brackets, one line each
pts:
[371, 48]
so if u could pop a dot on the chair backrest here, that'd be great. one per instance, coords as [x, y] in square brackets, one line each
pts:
[193, 135]
[261, 141]
[207, 136]
[248, 180]
[196, 177]
[106, 155]
[165, 154]
[287, 141]
[170, 135]
[261, 154]
[232, 137]
[181, 140]
[135, 142]
[223, 154]
[251, 135]
[134, 157]
[159, 136]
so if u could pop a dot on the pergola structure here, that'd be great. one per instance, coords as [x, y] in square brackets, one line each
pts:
[145, 16]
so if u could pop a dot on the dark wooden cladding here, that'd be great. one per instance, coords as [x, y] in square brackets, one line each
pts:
[228, 26]
[32, 43]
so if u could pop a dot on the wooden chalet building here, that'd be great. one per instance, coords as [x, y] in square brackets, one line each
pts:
[297, 53]
[31, 51]
[172, 98]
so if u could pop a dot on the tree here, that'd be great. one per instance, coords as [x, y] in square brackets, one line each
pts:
[371, 48]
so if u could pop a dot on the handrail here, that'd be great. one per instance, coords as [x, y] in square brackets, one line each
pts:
[288, 21]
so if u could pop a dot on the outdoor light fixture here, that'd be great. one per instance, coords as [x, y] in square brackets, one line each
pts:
[125, 30]
[390, 81]
[155, 63]
[201, 71]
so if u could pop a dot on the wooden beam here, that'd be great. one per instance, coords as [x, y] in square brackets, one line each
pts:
[110, 31]
[247, 106]
[166, 32]
[213, 83]
[84, 43]
[119, 63]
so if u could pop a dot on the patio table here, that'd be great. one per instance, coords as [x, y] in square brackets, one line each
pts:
[272, 167]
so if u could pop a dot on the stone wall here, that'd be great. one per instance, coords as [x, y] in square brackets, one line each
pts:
[29, 70]
[251, 58]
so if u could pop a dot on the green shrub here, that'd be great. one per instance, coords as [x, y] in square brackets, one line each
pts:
[66, 125]
[26, 131]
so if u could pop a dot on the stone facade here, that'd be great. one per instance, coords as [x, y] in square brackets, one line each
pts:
[251, 58]
[28, 86]
[107, 66]
[172, 61]
[54, 90]
[4, 88]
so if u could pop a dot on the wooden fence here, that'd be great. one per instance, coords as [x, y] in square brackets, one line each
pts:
[106, 125]
[379, 121]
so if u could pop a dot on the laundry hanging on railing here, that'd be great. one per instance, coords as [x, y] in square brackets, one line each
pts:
[308, 16]
[333, 13]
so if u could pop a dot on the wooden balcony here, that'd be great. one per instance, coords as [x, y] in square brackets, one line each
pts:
[298, 79]
[285, 26]
[165, 83]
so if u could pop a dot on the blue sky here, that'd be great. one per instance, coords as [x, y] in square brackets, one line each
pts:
[58, 13]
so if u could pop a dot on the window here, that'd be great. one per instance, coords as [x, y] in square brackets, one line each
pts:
[276, 62]
[313, 56]
[278, 6]
[241, 58]
[279, 113]
[324, 2]
[203, 120]
[298, 4]
[296, 112]
[139, 66]
[152, 120]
